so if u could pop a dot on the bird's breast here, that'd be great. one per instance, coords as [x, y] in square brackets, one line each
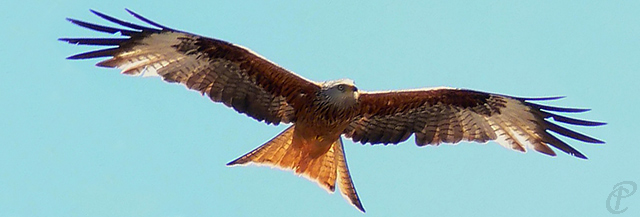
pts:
[316, 138]
[318, 125]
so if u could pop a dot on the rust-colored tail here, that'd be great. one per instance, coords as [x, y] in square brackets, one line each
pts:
[324, 169]
[347, 189]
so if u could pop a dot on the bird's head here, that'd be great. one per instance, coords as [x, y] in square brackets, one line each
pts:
[341, 93]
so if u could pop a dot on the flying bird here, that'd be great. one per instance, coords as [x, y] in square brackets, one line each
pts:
[320, 113]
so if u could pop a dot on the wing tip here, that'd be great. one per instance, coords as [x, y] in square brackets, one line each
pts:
[144, 19]
[558, 109]
[601, 123]
[131, 12]
[597, 141]
[108, 52]
[571, 133]
[73, 57]
[97, 13]
[573, 121]
[539, 98]
[579, 155]
[549, 108]
[68, 40]
[77, 56]
[574, 153]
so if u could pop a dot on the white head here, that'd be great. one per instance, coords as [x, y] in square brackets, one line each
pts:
[342, 93]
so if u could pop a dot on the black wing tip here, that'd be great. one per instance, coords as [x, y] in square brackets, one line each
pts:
[96, 41]
[71, 20]
[578, 122]
[124, 23]
[560, 109]
[69, 40]
[539, 98]
[132, 12]
[144, 19]
[583, 122]
[571, 134]
[563, 146]
[595, 141]
[108, 52]
[101, 28]
[100, 14]
[134, 28]
[137, 29]
[548, 108]
[76, 57]
[557, 109]
[579, 155]
[573, 121]
[545, 110]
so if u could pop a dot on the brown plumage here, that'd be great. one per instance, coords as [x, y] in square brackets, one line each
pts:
[322, 112]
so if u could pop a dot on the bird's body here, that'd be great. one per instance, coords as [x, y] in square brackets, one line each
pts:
[312, 146]
[321, 113]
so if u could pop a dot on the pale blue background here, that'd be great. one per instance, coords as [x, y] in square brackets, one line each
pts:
[77, 140]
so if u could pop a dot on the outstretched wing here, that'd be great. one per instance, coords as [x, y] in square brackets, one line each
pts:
[452, 115]
[225, 72]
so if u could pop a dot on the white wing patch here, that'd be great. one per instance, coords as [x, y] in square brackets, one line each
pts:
[153, 56]
[515, 128]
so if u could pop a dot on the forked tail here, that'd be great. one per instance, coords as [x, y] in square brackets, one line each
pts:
[325, 169]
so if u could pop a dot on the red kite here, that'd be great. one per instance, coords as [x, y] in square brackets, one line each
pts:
[321, 112]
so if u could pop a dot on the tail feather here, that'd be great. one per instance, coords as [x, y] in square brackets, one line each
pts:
[324, 170]
[347, 189]
[321, 170]
[276, 152]
[279, 152]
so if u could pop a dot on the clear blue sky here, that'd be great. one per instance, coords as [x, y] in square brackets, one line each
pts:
[77, 140]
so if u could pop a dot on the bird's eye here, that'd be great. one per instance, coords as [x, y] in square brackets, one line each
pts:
[341, 87]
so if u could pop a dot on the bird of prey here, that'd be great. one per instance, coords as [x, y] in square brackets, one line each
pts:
[321, 112]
